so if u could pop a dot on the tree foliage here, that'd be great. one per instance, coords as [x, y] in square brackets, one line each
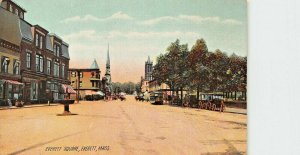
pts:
[200, 69]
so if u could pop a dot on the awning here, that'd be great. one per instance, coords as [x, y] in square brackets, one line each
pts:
[100, 93]
[91, 92]
[14, 82]
[68, 89]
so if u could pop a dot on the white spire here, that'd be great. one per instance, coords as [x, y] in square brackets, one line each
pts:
[108, 59]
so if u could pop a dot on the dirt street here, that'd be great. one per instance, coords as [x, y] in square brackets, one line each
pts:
[117, 127]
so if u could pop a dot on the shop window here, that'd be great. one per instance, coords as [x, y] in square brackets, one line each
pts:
[48, 86]
[34, 91]
[10, 91]
[1, 89]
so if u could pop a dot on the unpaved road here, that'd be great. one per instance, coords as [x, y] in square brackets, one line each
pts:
[117, 127]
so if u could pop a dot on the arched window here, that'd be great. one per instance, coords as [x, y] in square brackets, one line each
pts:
[4, 66]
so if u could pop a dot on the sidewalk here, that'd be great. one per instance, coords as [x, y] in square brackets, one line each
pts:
[236, 110]
[28, 106]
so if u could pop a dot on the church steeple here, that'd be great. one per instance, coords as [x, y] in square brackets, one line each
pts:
[108, 62]
[108, 59]
[108, 85]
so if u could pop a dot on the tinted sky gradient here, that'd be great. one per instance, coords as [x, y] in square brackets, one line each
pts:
[136, 29]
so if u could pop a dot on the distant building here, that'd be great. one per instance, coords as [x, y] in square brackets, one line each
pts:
[155, 86]
[148, 70]
[144, 85]
[85, 81]
[148, 76]
[34, 62]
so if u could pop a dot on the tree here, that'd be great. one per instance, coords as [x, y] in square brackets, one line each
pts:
[197, 69]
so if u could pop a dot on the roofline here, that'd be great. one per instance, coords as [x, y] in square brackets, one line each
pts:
[64, 43]
[54, 35]
[83, 69]
[40, 27]
[18, 5]
[26, 22]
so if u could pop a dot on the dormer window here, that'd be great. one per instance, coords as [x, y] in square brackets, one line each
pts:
[10, 8]
[17, 12]
[41, 42]
[36, 40]
[56, 49]
[22, 15]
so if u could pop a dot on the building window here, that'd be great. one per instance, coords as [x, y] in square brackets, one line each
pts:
[56, 50]
[28, 60]
[34, 91]
[41, 42]
[48, 67]
[10, 8]
[22, 15]
[17, 67]
[4, 64]
[80, 84]
[1, 89]
[17, 12]
[63, 70]
[81, 74]
[9, 91]
[73, 74]
[56, 69]
[39, 62]
[36, 40]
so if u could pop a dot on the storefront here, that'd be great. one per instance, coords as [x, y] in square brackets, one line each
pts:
[10, 90]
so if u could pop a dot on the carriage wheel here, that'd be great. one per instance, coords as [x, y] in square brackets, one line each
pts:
[213, 107]
[199, 105]
[222, 109]
[206, 106]
[209, 106]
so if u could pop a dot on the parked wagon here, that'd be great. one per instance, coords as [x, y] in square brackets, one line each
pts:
[218, 104]
[204, 104]
[212, 102]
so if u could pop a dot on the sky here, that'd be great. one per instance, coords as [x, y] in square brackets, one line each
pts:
[136, 29]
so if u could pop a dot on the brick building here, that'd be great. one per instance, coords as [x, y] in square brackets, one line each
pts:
[37, 61]
[85, 81]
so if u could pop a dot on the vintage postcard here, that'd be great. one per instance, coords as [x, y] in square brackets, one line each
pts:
[123, 77]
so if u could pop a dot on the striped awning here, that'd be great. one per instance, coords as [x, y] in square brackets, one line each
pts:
[13, 82]
[68, 89]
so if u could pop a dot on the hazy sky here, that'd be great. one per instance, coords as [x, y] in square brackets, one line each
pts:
[136, 29]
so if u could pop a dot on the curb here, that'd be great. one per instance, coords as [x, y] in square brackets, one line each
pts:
[27, 106]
